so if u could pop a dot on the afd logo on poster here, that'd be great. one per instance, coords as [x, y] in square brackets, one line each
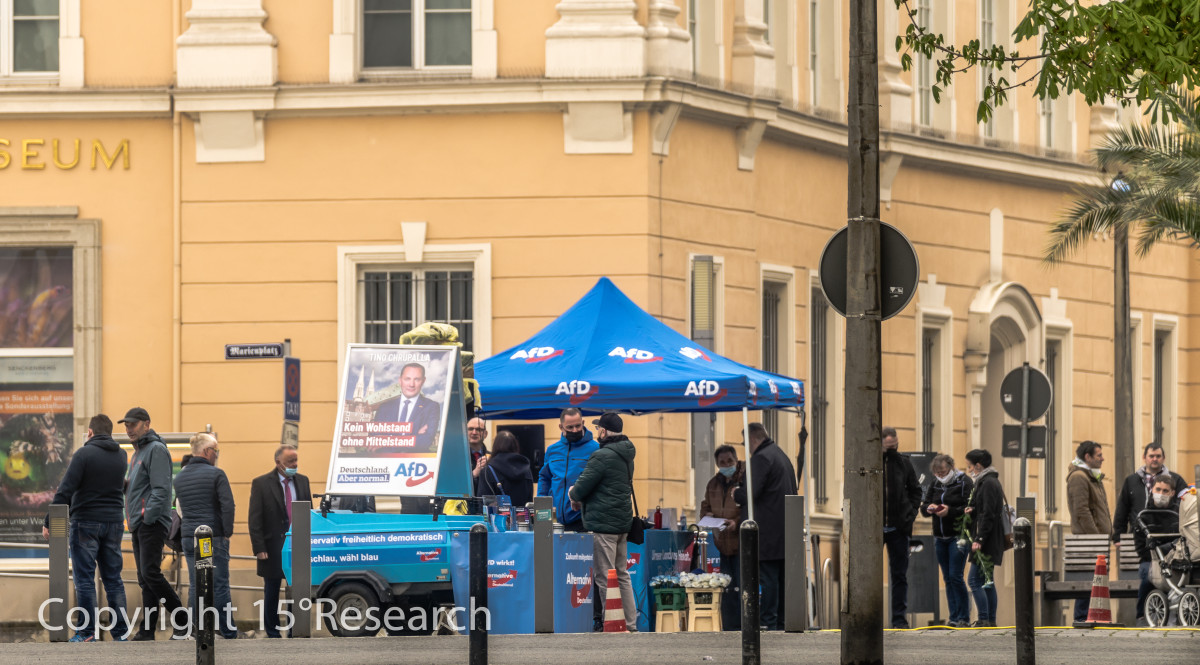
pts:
[416, 473]
[579, 390]
[634, 356]
[707, 392]
[536, 354]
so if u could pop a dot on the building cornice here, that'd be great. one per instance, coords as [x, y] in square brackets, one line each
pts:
[734, 109]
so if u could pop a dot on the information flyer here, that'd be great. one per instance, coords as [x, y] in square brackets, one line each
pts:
[389, 432]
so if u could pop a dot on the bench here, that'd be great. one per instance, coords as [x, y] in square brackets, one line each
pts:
[1079, 565]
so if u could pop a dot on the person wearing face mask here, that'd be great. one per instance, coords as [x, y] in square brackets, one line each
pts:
[901, 501]
[718, 502]
[271, 497]
[204, 497]
[565, 459]
[985, 506]
[944, 501]
[1161, 516]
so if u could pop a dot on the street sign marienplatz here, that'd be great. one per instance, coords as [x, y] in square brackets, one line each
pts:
[253, 351]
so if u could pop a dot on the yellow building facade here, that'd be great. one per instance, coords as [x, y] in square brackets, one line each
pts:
[195, 174]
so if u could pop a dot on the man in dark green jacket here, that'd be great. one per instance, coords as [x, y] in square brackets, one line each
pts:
[603, 494]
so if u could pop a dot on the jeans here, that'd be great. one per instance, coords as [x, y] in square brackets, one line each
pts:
[221, 596]
[147, 553]
[92, 544]
[610, 551]
[1145, 588]
[771, 581]
[897, 551]
[731, 600]
[985, 598]
[953, 560]
[1081, 608]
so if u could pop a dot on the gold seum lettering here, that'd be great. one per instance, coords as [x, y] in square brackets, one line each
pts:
[37, 154]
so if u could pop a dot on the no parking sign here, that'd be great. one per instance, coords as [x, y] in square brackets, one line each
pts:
[291, 389]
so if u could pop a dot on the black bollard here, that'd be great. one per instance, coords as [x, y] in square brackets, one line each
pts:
[478, 596]
[1023, 594]
[205, 651]
[748, 556]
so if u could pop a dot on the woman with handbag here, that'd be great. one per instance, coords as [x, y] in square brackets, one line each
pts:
[506, 471]
[985, 515]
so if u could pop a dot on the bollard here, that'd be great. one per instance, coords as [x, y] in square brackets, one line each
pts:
[795, 566]
[205, 652]
[1023, 594]
[478, 596]
[702, 545]
[301, 589]
[543, 559]
[748, 554]
[59, 572]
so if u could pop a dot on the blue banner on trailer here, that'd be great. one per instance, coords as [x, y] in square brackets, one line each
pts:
[639, 366]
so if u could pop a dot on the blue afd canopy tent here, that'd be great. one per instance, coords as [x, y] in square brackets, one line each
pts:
[607, 354]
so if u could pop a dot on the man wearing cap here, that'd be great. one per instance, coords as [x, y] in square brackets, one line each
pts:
[148, 511]
[603, 494]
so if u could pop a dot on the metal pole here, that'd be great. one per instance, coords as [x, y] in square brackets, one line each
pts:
[749, 454]
[748, 555]
[1023, 594]
[862, 530]
[795, 566]
[1123, 445]
[702, 545]
[543, 559]
[478, 594]
[203, 627]
[302, 568]
[1024, 423]
[60, 580]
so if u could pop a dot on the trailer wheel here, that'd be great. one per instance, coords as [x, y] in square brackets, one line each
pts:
[352, 601]
[1158, 609]
[1189, 609]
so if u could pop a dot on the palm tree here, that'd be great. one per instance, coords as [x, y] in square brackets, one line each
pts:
[1157, 188]
[1156, 192]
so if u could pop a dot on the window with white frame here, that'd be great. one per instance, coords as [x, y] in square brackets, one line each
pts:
[924, 67]
[396, 299]
[820, 392]
[987, 40]
[935, 379]
[766, 9]
[1054, 418]
[1165, 394]
[29, 32]
[691, 26]
[814, 43]
[774, 330]
[416, 34]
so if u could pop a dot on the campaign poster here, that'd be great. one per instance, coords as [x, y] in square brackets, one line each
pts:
[394, 404]
[36, 421]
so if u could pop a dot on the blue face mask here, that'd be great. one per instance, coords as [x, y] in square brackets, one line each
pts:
[289, 472]
[727, 471]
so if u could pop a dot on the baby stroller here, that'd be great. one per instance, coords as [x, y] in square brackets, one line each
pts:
[1175, 567]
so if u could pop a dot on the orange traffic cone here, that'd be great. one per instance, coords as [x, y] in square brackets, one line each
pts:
[1099, 613]
[614, 614]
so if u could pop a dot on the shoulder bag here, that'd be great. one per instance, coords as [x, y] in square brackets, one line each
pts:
[637, 525]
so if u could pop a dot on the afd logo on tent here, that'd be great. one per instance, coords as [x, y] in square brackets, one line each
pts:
[774, 389]
[536, 354]
[632, 355]
[707, 392]
[579, 390]
[694, 353]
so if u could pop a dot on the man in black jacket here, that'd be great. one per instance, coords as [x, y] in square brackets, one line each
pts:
[901, 499]
[271, 496]
[1133, 498]
[773, 477]
[93, 487]
[205, 499]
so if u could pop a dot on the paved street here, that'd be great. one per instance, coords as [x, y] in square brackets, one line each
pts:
[1068, 647]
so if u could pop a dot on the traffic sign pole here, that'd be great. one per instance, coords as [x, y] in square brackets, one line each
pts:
[1024, 423]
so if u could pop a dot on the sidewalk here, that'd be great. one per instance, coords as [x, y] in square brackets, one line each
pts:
[918, 647]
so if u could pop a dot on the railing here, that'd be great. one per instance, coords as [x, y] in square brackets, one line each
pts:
[827, 598]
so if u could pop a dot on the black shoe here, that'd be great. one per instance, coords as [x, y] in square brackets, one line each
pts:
[142, 636]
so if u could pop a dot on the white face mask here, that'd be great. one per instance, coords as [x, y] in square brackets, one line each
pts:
[1161, 500]
[945, 480]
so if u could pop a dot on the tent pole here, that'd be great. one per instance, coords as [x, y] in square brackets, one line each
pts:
[749, 481]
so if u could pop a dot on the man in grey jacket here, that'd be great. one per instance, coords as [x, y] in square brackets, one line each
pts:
[204, 497]
[148, 511]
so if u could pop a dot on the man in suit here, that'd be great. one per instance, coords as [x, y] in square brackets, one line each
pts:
[271, 496]
[412, 407]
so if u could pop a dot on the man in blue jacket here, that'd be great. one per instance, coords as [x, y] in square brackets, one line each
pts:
[92, 487]
[565, 460]
[148, 510]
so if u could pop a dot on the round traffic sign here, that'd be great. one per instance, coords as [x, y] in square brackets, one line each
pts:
[899, 270]
[1012, 392]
